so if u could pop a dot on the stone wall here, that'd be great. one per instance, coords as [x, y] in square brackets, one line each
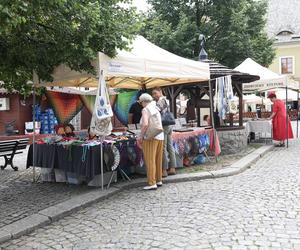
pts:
[232, 141]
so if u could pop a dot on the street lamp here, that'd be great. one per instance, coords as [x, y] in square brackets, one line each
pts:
[202, 54]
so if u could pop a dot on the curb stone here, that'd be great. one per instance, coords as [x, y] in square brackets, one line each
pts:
[242, 164]
[24, 226]
[58, 211]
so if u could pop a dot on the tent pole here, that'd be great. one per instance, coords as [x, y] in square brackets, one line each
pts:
[33, 137]
[298, 113]
[197, 92]
[101, 153]
[212, 115]
[35, 81]
[287, 116]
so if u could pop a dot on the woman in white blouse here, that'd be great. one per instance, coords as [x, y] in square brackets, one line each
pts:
[152, 148]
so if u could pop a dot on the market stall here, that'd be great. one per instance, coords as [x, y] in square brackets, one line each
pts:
[145, 66]
[76, 160]
[268, 81]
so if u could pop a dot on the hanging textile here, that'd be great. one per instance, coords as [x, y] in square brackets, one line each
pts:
[223, 99]
[65, 106]
[122, 105]
[101, 119]
[88, 101]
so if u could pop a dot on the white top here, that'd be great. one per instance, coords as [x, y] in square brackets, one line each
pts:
[152, 109]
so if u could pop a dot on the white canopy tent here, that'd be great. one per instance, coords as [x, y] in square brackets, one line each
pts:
[252, 99]
[145, 65]
[268, 81]
[281, 94]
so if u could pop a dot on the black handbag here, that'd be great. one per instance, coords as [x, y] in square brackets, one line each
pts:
[167, 117]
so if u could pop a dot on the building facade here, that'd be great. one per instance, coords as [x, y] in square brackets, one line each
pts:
[18, 112]
[283, 25]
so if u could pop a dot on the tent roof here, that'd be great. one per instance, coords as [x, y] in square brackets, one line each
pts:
[252, 67]
[145, 65]
[291, 96]
[69, 90]
[268, 79]
[252, 98]
[219, 70]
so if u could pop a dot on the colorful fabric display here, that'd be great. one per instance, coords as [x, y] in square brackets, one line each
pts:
[65, 106]
[88, 101]
[123, 102]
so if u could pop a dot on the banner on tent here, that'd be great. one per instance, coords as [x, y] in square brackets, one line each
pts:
[262, 86]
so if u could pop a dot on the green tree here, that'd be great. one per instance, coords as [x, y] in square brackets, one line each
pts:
[234, 29]
[38, 35]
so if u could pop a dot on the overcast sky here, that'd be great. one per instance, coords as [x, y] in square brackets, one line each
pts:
[141, 4]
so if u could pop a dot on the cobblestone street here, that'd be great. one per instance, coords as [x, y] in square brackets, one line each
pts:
[20, 197]
[259, 208]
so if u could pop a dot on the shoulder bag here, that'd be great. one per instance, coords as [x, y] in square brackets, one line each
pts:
[167, 117]
[155, 126]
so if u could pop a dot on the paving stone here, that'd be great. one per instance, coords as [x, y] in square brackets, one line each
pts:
[257, 209]
[21, 198]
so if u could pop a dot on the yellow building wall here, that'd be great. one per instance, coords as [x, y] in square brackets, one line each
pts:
[287, 50]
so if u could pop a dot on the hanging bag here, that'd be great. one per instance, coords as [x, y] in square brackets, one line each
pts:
[103, 107]
[167, 117]
[154, 127]
[101, 119]
[232, 106]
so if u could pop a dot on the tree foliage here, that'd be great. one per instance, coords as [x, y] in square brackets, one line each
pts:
[234, 29]
[38, 35]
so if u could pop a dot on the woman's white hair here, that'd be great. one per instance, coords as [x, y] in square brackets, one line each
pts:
[145, 98]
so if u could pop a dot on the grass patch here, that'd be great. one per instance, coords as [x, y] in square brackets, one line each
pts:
[223, 161]
[191, 169]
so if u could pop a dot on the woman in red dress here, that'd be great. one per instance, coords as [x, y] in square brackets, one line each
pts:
[279, 121]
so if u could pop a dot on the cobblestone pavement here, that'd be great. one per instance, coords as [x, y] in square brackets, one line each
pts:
[258, 209]
[19, 197]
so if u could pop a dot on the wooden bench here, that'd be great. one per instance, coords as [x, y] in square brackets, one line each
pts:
[9, 148]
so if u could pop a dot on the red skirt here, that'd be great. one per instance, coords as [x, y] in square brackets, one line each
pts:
[279, 129]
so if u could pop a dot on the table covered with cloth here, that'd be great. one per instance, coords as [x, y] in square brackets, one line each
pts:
[84, 160]
[259, 126]
[214, 144]
[193, 147]
[78, 159]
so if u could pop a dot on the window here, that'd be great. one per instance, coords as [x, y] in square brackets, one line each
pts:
[287, 65]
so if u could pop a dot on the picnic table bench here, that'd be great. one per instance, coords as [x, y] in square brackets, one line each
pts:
[9, 148]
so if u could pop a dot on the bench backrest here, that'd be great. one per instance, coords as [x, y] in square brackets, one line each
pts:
[8, 146]
[22, 143]
[11, 145]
